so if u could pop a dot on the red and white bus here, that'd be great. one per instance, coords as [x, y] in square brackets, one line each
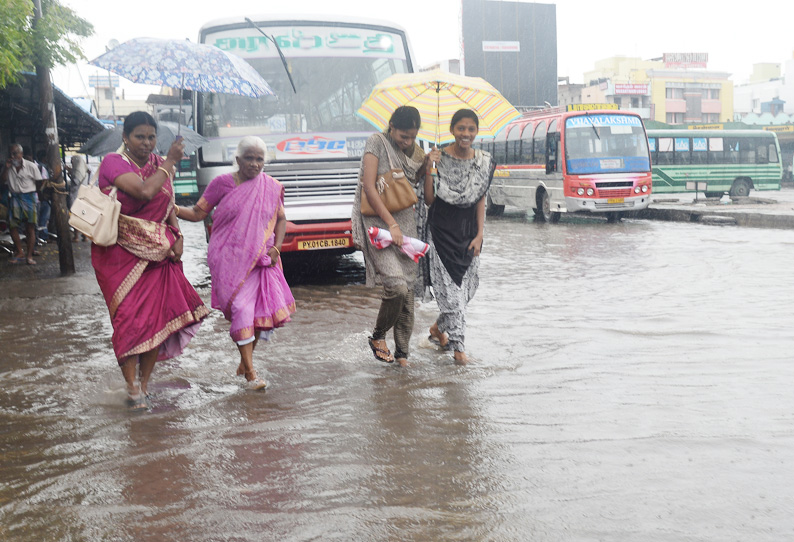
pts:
[555, 161]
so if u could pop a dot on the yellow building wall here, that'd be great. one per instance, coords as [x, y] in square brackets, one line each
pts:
[659, 98]
[622, 69]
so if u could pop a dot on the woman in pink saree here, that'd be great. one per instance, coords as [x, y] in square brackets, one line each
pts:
[154, 310]
[248, 227]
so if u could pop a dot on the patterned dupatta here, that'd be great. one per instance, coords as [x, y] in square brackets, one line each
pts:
[243, 228]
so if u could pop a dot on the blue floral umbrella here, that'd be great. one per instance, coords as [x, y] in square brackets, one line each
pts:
[183, 64]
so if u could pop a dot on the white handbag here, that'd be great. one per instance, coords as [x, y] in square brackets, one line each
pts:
[96, 215]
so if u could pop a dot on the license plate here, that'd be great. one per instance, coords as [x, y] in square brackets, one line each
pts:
[615, 200]
[320, 244]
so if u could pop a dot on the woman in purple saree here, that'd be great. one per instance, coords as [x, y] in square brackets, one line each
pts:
[153, 308]
[248, 227]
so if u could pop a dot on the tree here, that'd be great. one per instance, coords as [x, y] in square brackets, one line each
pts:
[54, 42]
[15, 29]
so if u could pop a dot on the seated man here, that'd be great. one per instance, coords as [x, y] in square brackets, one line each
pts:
[20, 176]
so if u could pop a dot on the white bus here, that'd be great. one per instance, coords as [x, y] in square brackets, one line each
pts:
[315, 139]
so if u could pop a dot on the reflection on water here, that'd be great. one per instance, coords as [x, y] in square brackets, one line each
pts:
[630, 382]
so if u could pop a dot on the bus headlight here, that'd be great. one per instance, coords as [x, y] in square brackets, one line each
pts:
[580, 192]
[590, 191]
[645, 188]
[636, 189]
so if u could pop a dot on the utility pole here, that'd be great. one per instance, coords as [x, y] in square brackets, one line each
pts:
[47, 108]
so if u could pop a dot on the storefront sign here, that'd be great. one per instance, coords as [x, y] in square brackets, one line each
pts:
[706, 127]
[501, 46]
[788, 128]
[631, 89]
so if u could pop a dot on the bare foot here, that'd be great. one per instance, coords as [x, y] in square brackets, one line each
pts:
[461, 358]
[241, 369]
[440, 338]
[402, 362]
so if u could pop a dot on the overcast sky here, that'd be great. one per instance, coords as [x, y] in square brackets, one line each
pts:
[735, 36]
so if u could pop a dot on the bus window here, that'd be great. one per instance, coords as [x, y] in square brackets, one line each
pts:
[664, 156]
[526, 144]
[552, 152]
[747, 152]
[682, 155]
[716, 154]
[699, 150]
[772, 154]
[731, 150]
[553, 127]
[761, 156]
[539, 143]
[500, 149]
[514, 145]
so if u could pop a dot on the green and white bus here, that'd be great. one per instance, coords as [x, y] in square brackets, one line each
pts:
[714, 161]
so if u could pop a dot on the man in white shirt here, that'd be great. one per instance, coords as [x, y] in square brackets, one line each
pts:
[21, 176]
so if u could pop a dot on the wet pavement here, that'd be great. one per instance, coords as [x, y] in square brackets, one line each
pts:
[629, 382]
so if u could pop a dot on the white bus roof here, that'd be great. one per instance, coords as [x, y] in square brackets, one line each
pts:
[315, 18]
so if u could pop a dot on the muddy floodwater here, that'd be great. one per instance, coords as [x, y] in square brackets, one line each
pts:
[629, 382]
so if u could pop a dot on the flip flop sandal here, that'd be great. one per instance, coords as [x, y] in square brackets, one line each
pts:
[17, 260]
[138, 403]
[375, 351]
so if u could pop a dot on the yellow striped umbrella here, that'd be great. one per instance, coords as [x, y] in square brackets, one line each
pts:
[437, 95]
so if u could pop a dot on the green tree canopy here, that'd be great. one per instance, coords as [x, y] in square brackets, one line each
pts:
[15, 19]
[55, 40]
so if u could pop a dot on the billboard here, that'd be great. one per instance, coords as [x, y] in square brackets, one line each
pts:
[685, 60]
[513, 46]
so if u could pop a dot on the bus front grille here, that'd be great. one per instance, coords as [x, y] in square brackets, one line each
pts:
[319, 185]
[614, 206]
[614, 193]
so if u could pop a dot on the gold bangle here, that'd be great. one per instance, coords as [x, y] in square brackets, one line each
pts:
[167, 174]
[390, 227]
[277, 250]
[176, 210]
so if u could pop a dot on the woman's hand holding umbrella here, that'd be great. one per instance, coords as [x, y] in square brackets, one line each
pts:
[175, 153]
[433, 158]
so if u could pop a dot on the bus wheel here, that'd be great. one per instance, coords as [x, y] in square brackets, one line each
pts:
[543, 211]
[613, 218]
[492, 209]
[740, 188]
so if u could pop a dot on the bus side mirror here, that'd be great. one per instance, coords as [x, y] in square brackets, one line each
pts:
[552, 143]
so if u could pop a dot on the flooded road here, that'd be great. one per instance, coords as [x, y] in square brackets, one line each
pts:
[630, 382]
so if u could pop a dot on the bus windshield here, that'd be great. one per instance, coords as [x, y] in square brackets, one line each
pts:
[605, 143]
[334, 71]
